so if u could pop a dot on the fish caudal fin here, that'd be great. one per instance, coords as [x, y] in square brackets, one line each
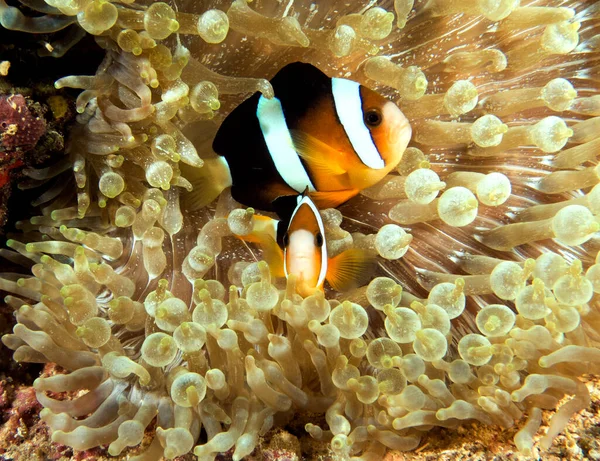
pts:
[208, 182]
[350, 269]
[323, 159]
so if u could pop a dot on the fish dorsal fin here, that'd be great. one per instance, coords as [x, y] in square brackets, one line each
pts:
[298, 84]
[332, 199]
[322, 159]
[350, 269]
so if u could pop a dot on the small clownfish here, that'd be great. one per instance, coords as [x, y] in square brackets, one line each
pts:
[302, 251]
[330, 135]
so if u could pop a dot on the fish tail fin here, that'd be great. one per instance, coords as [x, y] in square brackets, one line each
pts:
[207, 181]
[350, 269]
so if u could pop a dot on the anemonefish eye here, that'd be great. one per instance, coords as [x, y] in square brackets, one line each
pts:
[373, 117]
[319, 240]
[286, 239]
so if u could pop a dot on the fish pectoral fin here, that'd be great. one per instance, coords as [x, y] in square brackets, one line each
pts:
[350, 269]
[322, 158]
[332, 199]
[271, 253]
[207, 181]
[253, 237]
[265, 239]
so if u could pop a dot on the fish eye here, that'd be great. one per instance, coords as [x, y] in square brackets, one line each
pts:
[286, 239]
[373, 117]
[319, 240]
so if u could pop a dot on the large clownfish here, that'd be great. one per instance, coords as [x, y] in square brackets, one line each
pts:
[302, 251]
[330, 135]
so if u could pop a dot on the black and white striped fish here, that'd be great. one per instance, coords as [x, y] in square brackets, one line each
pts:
[330, 135]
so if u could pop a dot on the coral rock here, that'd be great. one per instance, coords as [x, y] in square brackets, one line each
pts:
[20, 128]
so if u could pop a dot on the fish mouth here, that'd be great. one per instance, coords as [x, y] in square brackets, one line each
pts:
[400, 129]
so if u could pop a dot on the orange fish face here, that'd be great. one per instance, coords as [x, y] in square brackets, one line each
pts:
[305, 253]
[352, 141]
[388, 126]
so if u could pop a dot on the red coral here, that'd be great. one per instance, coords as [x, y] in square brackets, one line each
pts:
[5, 169]
[20, 417]
[26, 405]
[20, 129]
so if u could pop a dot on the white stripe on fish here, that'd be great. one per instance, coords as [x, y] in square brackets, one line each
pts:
[279, 142]
[348, 105]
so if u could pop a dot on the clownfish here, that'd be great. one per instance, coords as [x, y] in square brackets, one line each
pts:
[299, 247]
[330, 135]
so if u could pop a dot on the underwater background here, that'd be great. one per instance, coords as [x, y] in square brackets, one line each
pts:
[135, 328]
